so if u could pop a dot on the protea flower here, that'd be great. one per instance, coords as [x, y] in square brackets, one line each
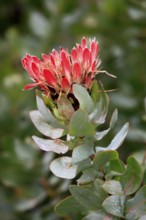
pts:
[58, 71]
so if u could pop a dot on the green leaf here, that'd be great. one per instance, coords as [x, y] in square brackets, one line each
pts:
[65, 107]
[57, 146]
[81, 152]
[83, 97]
[132, 178]
[113, 187]
[86, 197]
[83, 165]
[69, 206]
[100, 190]
[63, 168]
[80, 125]
[114, 205]
[144, 177]
[95, 92]
[136, 207]
[87, 176]
[101, 108]
[102, 157]
[43, 127]
[46, 113]
[115, 168]
[100, 135]
[117, 140]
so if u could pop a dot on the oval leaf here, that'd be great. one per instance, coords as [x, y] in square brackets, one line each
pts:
[102, 157]
[132, 178]
[69, 206]
[43, 127]
[136, 207]
[57, 146]
[86, 197]
[83, 97]
[81, 152]
[63, 168]
[80, 125]
[114, 205]
[113, 187]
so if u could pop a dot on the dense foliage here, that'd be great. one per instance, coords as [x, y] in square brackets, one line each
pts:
[28, 189]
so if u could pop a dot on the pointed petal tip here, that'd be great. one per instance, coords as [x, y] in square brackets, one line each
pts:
[29, 86]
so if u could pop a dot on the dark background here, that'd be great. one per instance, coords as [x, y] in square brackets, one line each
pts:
[28, 191]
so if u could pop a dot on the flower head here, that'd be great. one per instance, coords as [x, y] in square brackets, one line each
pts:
[58, 71]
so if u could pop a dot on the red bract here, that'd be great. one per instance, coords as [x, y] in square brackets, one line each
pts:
[58, 71]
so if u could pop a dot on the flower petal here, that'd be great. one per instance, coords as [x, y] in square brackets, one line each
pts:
[88, 82]
[52, 60]
[35, 59]
[45, 57]
[83, 42]
[77, 72]
[30, 86]
[65, 84]
[74, 54]
[35, 70]
[66, 65]
[94, 47]
[50, 78]
[86, 54]
[93, 66]
[25, 63]
[80, 51]
[87, 58]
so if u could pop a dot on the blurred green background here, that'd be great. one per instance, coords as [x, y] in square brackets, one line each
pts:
[28, 191]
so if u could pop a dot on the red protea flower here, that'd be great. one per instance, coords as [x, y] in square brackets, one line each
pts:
[58, 71]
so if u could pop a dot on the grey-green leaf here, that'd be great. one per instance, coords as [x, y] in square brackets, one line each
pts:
[115, 168]
[46, 113]
[117, 140]
[69, 206]
[63, 168]
[80, 125]
[136, 207]
[81, 152]
[100, 190]
[101, 108]
[83, 97]
[87, 176]
[113, 187]
[114, 205]
[101, 134]
[44, 127]
[95, 92]
[57, 146]
[102, 157]
[132, 178]
[86, 197]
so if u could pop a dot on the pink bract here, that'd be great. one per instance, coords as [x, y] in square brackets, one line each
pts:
[58, 71]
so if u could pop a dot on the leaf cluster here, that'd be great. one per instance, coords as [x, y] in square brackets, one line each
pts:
[115, 192]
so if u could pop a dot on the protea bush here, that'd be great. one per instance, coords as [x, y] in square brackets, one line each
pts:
[71, 107]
